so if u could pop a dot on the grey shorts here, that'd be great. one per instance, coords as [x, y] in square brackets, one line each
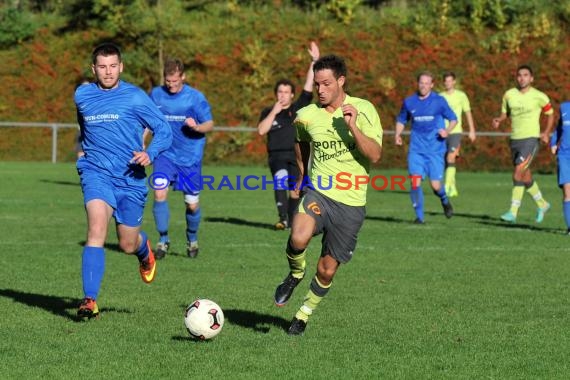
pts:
[339, 224]
[523, 151]
[453, 142]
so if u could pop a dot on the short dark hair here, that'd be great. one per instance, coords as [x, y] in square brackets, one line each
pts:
[425, 73]
[173, 66]
[105, 49]
[448, 74]
[525, 67]
[332, 62]
[284, 82]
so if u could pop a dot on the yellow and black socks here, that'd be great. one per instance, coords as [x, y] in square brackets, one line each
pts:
[516, 197]
[535, 193]
[316, 293]
[296, 258]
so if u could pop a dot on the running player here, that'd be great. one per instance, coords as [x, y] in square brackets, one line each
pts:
[524, 105]
[560, 145]
[113, 115]
[190, 117]
[459, 103]
[346, 136]
[427, 111]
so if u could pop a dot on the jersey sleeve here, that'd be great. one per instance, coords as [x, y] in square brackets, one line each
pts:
[151, 117]
[465, 104]
[545, 104]
[302, 135]
[505, 104]
[402, 117]
[368, 121]
[202, 109]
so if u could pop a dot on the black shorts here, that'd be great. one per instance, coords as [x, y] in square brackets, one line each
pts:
[339, 224]
[453, 141]
[523, 151]
[284, 164]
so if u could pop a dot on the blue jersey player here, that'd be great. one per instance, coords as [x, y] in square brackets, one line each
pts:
[190, 117]
[427, 112]
[113, 115]
[560, 145]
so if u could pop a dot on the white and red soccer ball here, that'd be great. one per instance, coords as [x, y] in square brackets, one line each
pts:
[204, 319]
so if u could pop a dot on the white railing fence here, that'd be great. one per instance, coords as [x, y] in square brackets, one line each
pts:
[56, 126]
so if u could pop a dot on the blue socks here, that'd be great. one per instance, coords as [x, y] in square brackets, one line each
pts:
[442, 195]
[161, 215]
[92, 269]
[192, 224]
[142, 251]
[417, 197]
[566, 212]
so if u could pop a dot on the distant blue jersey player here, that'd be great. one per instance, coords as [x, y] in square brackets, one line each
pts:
[190, 117]
[560, 145]
[427, 112]
[113, 115]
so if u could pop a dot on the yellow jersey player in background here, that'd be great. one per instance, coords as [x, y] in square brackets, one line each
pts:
[346, 137]
[524, 105]
[459, 103]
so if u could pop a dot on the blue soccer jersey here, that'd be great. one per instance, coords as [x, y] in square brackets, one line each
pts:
[427, 117]
[188, 145]
[561, 135]
[112, 124]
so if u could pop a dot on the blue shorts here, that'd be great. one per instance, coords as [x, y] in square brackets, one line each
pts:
[563, 170]
[431, 165]
[126, 195]
[187, 179]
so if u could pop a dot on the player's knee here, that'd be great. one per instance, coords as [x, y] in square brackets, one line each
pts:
[325, 274]
[192, 207]
[129, 246]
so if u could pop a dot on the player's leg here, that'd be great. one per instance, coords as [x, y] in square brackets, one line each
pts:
[193, 218]
[293, 202]
[93, 258]
[566, 205]
[342, 224]
[307, 222]
[520, 162]
[161, 214]
[163, 171]
[436, 164]
[128, 216]
[278, 167]
[453, 146]
[417, 171]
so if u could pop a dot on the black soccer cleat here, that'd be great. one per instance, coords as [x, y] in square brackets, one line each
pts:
[285, 289]
[448, 210]
[297, 327]
[161, 250]
[418, 221]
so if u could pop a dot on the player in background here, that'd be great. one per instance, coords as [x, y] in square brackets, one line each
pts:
[560, 146]
[190, 117]
[524, 105]
[346, 137]
[459, 103]
[277, 123]
[427, 111]
[113, 115]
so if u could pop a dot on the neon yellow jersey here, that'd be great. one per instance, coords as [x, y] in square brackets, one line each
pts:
[524, 109]
[459, 103]
[337, 167]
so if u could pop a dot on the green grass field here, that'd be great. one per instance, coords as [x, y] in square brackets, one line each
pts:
[470, 297]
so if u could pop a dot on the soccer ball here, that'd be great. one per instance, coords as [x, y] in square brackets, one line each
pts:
[204, 319]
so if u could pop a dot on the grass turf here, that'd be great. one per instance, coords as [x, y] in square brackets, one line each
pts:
[469, 297]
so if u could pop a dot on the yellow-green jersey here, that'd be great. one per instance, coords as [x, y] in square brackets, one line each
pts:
[338, 168]
[459, 104]
[524, 109]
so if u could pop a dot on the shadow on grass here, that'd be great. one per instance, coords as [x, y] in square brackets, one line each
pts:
[240, 222]
[257, 322]
[464, 215]
[521, 226]
[389, 219]
[61, 306]
[66, 183]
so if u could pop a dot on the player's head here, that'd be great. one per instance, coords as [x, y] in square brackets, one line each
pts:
[425, 83]
[449, 80]
[284, 91]
[330, 79]
[107, 65]
[525, 76]
[174, 76]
